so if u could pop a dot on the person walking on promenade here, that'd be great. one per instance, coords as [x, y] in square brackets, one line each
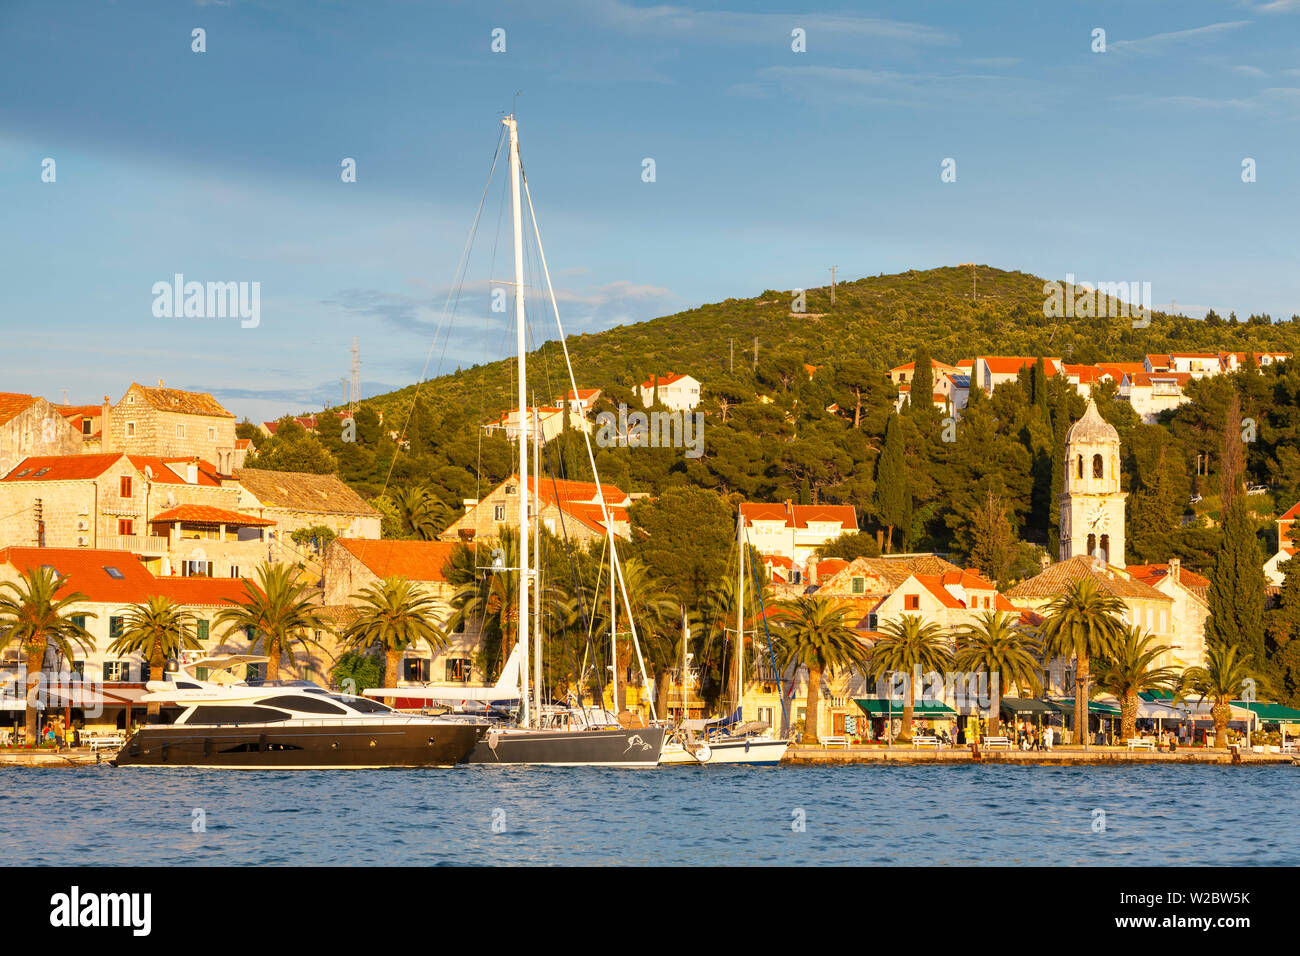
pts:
[1047, 737]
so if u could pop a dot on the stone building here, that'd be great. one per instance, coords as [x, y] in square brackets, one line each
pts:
[296, 500]
[170, 422]
[104, 501]
[569, 509]
[1092, 505]
[29, 425]
[354, 564]
[100, 687]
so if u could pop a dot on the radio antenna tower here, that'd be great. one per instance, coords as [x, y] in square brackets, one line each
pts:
[355, 395]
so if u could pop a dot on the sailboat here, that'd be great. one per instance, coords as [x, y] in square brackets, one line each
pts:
[725, 740]
[551, 736]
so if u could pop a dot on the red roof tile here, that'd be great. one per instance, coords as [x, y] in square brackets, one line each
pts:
[206, 514]
[663, 380]
[414, 560]
[84, 571]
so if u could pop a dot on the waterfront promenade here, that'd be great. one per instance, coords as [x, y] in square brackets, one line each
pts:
[1058, 756]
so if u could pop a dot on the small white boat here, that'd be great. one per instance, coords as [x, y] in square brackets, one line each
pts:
[748, 743]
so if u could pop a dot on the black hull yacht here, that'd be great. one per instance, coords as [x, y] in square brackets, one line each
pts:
[287, 725]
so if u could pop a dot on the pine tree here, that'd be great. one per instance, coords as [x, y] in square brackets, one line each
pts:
[893, 502]
[994, 545]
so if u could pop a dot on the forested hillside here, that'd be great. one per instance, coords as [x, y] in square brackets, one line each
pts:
[768, 433]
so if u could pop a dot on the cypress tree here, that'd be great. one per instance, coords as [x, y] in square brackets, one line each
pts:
[1237, 586]
[892, 498]
[922, 399]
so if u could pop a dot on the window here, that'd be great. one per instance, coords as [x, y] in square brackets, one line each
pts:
[125, 526]
[1097, 467]
[415, 669]
[114, 573]
[78, 670]
[196, 569]
[234, 715]
[212, 433]
[79, 620]
[872, 622]
[859, 585]
[117, 671]
[499, 513]
[202, 630]
[1079, 467]
[458, 669]
[180, 431]
[308, 705]
[130, 429]
[1092, 545]
[115, 627]
[124, 486]
[234, 570]
[911, 602]
[85, 426]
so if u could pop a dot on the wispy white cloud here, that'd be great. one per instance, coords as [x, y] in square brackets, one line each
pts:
[824, 84]
[719, 27]
[1159, 42]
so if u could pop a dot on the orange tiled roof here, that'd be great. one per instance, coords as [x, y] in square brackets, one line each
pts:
[798, 516]
[181, 401]
[85, 571]
[206, 514]
[13, 404]
[663, 380]
[414, 560]
[1012, 364]
[1147, 379]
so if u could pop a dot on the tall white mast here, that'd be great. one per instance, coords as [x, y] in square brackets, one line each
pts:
[740, 615]
[522, 345]
[613, 619]
[537, 565]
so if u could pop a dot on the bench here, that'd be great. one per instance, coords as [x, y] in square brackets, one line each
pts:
[926, 742]
[1140, 743]
[105, 742]
[991, 742]
[835, 742]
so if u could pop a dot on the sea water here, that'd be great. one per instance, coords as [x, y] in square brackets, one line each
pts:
[857, 815]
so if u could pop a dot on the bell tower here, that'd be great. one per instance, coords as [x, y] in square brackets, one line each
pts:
[1092, 505]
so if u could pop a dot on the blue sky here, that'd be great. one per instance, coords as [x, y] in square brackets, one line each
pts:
[771, 166]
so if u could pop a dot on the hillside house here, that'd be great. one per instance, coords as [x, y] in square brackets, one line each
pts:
[298, 500]
[1286, 546]
[1151, 393]
[990, 371]
[565, 508]
[681, 393]
[793, 531]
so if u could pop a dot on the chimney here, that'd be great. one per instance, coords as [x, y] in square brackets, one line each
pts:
[1175, 569]
[160, 383]
[1045, 561]
[811, 575]
[106, 426]
[192, 472]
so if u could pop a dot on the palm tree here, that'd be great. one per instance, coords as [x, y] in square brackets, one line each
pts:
[1226, 674]
[423, 514]
[813, 633]
[1129, 671]
[394, 615]
[1083, 622]
[156, 630]
[277, 610]
[908, 643]
[998, 646]
[33, 615]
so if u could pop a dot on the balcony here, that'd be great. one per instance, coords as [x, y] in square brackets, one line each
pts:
[135, 543]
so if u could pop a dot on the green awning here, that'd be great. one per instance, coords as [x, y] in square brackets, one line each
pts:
[884, 707]
[1273, 713]
[1097, 708]
[1157, 696]
[1027, 705]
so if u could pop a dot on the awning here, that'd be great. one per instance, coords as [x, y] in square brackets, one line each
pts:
[1026, 705]
[884, 707]
[1272, 713]
[1159, 710]
[1099, 708]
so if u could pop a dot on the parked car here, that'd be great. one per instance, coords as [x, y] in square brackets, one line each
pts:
[1195, 499]
[1257, 490]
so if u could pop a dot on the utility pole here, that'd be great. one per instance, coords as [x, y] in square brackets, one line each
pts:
[356, 377]
[833, 268]
[756, 353]
[973, 296]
